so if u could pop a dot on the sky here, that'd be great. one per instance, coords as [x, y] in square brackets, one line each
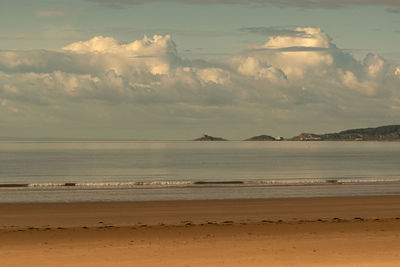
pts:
[173, 70]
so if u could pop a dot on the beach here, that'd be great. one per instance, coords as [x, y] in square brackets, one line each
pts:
[334, 231]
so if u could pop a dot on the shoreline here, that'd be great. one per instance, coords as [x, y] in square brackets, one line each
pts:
[173, 212]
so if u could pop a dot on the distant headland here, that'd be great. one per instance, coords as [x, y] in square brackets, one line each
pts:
[382, 133]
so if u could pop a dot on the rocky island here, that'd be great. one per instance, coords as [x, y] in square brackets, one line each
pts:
[382, 133]
[207, 137]
[264, 137]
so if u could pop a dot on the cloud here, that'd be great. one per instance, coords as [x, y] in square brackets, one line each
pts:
[273, 31]
[279, 3]
[294, 77]
[175, 31]
[394, 10]
[306, 37]
[49, 13]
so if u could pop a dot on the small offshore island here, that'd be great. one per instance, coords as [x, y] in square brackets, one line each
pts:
[382, 133]
[207, 137]
[264, 137]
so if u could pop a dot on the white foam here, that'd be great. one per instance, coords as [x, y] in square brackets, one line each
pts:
[208, 183]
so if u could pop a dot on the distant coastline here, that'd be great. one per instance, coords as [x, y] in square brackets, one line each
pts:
[381, 133]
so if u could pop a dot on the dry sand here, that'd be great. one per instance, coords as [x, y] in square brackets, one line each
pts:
[353, 231]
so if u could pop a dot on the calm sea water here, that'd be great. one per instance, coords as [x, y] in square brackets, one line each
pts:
[138, 171]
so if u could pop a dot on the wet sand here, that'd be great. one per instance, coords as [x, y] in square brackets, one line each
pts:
[351, 231]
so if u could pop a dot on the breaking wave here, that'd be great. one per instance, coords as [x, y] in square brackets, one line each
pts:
[205, 183]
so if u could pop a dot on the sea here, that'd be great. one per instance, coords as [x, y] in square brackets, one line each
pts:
[53, 171]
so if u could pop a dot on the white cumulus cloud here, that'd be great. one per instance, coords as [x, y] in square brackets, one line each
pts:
[291, 77]
[309, 37]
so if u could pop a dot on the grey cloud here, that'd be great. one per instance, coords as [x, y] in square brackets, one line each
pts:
[292, 49]
[280, 3]
[394, 10]
[41, 61]
[144, 56]
[173, 31]
[273, 31]
[17, 38]
[49, 13]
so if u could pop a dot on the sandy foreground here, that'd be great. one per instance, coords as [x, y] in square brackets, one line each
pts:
[351, 231]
